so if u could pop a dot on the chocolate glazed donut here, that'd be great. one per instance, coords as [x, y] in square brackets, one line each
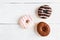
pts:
[43, 29]
[44, 11]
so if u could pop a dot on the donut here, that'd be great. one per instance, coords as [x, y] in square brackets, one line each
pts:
[25, 21]
[44, 11]
[43, 29]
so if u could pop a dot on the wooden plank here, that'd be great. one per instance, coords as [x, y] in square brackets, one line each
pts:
[15, 32]
[8, 1]
[10, 13]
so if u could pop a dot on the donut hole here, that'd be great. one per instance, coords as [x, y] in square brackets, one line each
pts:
[27, 21]
[45, 11]
[44, 29]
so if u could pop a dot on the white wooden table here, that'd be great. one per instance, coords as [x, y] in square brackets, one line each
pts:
[10, 13]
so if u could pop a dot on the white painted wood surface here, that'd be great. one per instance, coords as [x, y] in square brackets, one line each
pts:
[10, 13]
[4, 1]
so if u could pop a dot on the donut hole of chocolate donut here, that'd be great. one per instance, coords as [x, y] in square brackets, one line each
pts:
[27, 21]
[44, 29]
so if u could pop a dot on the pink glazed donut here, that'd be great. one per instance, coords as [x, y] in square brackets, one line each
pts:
[25, 21]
